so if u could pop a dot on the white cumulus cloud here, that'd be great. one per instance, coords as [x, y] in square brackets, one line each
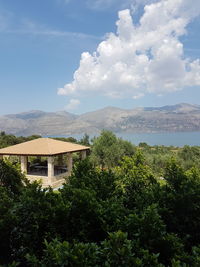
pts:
[147, 57]
[73, 104]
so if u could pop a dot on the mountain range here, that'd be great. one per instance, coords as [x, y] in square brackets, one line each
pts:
[177, 118]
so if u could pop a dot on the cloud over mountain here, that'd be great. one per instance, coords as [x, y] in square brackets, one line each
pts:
[147, 57]
[73, 104]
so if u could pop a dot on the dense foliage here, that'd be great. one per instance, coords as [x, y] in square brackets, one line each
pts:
[107, 149]
[125, 215]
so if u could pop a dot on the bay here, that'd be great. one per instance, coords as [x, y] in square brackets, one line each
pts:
[178, 139]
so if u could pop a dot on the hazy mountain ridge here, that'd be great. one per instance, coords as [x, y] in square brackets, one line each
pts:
[180, 117]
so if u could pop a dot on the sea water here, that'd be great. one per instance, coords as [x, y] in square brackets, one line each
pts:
[167, 139]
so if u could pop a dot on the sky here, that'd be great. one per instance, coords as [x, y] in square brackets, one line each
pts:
[83, 55]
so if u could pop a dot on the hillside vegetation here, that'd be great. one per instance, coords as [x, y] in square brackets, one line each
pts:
[122, 206]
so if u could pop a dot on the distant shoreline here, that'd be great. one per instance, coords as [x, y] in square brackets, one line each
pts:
[178, 139]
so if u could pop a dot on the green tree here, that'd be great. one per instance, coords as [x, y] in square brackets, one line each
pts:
[116, 250]
[7, 224]
[136, 182]
[86, 176]
[85, 140]
[108, 150]
[11, 178]
[83, 215]
[181, 202]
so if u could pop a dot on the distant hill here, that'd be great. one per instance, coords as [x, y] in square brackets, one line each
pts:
[180, 117]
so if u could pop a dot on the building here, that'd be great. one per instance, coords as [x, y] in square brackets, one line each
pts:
[45, 159]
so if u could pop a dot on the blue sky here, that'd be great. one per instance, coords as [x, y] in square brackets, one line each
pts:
[41, 43]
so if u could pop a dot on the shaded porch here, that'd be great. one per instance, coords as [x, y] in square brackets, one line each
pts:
[52, 171]
[53, 159]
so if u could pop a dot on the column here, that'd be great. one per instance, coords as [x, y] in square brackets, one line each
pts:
[83, 154]
[1, 157]
[69, 162]
[50, 167]
[24, 164]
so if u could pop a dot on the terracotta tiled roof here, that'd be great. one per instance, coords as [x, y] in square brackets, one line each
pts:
[42, 147]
